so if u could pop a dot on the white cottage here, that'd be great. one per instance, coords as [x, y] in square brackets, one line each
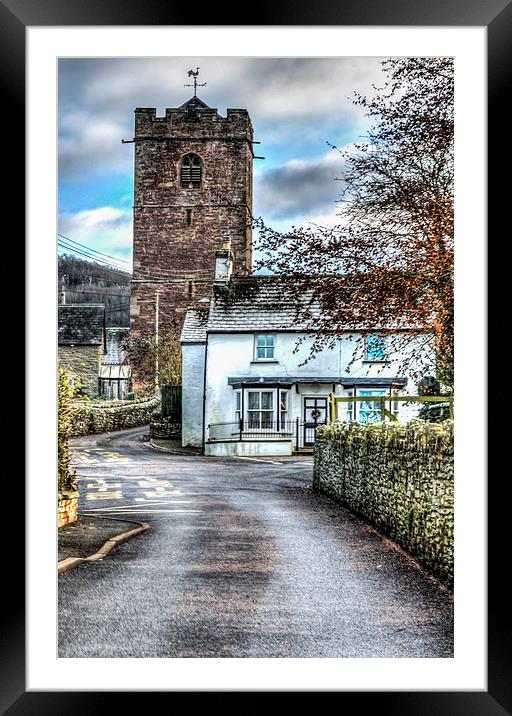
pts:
[246, 388]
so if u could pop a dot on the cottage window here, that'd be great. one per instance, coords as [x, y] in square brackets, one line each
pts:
[191, 171]
[350, 407]
[369, 410]
[375, 348]
[260, 409]
[283, 406]
[265, 346]
[238, 406]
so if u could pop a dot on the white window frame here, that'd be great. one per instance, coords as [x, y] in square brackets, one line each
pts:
[350, 412]
[250, 412]
[265, 347]
[238, 405]
[284, 399]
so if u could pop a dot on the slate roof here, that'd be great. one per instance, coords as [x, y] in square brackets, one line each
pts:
[252, 303]
[194, 103]
[194, 326]
[81, 324]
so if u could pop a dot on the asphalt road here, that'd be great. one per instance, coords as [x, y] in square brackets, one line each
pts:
[242, 560]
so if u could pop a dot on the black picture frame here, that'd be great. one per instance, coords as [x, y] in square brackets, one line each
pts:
[496, 16]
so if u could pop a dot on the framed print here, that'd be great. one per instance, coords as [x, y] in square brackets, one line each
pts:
[35, 37]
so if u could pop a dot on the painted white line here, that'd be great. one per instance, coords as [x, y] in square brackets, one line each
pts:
[152, 512]
[116, 508]
[258, 459]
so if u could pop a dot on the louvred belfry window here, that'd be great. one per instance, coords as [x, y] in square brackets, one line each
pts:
[191, 171]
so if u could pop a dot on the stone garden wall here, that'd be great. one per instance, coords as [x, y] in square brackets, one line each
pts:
[399, 477]
[67, 508]
[90, 417]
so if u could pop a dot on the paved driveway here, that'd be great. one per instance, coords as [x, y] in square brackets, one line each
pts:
[242, 560]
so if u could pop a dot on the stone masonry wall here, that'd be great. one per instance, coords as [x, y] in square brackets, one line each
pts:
[88, 417]
[67, 508]
[83, 362]
[177, 230]
[399, 477]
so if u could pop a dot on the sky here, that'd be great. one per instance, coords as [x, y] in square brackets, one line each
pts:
[298, 107]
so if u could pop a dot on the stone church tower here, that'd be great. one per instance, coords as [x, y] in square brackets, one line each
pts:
[193, 189]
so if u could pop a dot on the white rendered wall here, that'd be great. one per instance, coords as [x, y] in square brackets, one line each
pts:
[192, 394]
[232, 355]
[255, 448]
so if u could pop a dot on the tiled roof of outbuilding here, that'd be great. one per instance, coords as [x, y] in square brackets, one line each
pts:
[194, 327]
[81, 324]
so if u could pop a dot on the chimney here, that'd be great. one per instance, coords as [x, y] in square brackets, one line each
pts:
[224, 262]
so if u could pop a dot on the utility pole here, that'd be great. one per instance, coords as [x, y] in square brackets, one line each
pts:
[157, 309]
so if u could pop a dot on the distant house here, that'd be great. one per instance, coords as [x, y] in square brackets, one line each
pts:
[114, 375]
[81, 343]
[246, 388]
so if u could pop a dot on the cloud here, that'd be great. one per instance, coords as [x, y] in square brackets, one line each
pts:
[299, 188]
[106, 229]
[288, 98]
[296, 105]
[90, 145]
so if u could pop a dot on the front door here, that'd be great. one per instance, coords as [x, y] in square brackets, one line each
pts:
[315, 414]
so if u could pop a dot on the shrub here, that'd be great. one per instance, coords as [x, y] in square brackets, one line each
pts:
[66, 475]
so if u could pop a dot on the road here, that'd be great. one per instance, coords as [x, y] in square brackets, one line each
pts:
[242, 560]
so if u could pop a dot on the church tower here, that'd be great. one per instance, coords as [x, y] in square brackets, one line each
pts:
[193, 190]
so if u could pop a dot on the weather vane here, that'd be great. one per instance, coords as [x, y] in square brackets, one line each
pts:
[193, 74]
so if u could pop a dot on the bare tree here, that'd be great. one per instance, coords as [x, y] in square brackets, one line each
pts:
[143, 351]
[388, 264]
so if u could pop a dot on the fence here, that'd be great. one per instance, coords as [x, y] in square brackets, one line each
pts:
[376, 409]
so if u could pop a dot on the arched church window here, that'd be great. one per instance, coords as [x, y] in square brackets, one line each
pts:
[191, 171]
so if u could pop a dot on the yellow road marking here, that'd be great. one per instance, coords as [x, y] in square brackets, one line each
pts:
[105, 496]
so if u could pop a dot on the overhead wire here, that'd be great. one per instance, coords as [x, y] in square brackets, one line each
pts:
[89, 248]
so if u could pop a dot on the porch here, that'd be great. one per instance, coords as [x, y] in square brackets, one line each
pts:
[261, 437]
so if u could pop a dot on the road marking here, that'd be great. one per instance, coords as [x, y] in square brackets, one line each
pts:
[105, 496]
[153, 512]
[258, 459]
[103, 486]
[119, 508]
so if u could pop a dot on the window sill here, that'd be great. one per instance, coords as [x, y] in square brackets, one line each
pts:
[380, 362]
[264, 360]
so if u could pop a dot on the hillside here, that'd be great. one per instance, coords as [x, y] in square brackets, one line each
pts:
[82, 281]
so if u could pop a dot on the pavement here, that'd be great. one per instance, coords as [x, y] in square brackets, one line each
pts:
[242, 559]
[89, 534]
[173, 446]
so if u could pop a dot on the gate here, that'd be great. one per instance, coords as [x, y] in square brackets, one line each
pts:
[171, 402]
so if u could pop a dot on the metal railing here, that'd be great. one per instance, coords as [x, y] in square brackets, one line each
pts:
[300, 432]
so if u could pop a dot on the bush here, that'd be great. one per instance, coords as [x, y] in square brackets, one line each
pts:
[434, 413]
[66, 475]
